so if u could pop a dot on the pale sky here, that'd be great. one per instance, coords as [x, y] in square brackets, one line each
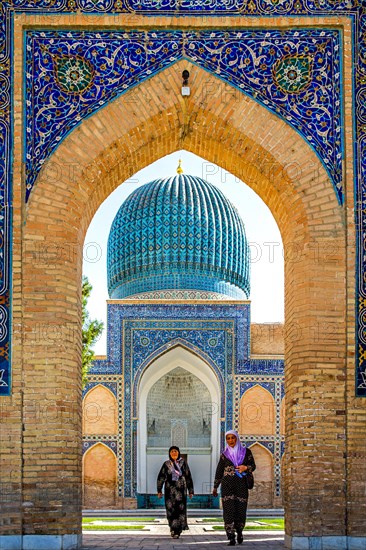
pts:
[267, 264]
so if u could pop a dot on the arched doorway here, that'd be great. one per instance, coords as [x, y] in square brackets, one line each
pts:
[181, 375]
[244, 138]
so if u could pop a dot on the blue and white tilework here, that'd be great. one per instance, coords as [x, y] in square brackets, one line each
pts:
[112, 386]
[179, 232]
[139, 333]
[294, 73]
[109, 441]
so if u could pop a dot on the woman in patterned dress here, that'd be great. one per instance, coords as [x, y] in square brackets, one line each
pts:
[230, 472]
[176, 476]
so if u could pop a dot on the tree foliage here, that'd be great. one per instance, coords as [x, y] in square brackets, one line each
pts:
[91, 331]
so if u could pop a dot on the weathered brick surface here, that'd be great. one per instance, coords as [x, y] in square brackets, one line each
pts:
[267, 339]
[326, 429]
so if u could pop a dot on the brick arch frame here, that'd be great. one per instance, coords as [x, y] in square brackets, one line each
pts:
[100, 472]
[95, 445]
[270, 408]
[110, 422]
[267, 454]
[260, 148]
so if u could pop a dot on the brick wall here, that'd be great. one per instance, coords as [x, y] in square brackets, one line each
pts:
[267, 339]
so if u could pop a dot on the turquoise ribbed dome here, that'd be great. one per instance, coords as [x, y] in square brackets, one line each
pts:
[177, 233]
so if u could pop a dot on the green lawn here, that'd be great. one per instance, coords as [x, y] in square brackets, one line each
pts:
[144, 520]
[90, 527]
[259, 524]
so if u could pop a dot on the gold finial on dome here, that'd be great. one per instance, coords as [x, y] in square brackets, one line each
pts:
[180, 169]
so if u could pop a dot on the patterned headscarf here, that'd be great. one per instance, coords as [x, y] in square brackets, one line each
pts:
[235, 454]
[175, 465]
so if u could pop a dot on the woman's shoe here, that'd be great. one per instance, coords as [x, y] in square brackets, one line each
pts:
[231, 541]
[240, 537]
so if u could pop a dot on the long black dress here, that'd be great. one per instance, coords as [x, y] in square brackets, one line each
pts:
[234, 492]
[175, 495]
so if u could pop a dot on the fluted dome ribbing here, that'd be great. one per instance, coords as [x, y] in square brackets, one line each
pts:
[177, 233]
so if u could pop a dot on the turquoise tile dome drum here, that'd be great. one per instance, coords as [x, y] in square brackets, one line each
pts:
[178, 233]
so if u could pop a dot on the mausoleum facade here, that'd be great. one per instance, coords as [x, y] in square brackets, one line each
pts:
[179, 368]
[172, 347]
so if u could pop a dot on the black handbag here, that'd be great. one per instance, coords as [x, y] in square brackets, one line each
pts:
[250, 480]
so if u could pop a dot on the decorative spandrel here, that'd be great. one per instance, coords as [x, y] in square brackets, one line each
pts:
[294, 73]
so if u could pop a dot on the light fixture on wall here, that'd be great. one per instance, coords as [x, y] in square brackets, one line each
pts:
[186, 91]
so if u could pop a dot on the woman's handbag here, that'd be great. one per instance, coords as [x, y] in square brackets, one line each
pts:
[250, 480]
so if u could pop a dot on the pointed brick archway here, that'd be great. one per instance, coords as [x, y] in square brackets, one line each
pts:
[235, 132]
[163, 365]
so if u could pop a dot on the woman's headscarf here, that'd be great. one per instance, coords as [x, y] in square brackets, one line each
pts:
[175, 465]
[235, 454]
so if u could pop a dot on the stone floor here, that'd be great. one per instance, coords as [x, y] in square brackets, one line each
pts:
[256, 540]
[158, 538]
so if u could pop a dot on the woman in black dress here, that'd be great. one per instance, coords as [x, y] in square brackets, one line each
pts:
[231, 470]
[176, 476]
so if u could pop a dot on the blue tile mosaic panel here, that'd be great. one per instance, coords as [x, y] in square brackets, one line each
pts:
[211, 342]
[294, 73]
[270, 445]
[188, 7]
[261, 366]
[170, 317]
[146, 345]
[240, 7]
[353, 9]
[269, 386]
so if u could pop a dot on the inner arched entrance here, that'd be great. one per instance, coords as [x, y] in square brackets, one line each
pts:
[179, 397]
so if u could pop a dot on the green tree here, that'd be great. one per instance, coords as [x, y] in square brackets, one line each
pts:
[92, 329]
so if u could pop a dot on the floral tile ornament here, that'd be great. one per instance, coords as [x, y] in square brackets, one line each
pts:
[294, 73]
[73, 74]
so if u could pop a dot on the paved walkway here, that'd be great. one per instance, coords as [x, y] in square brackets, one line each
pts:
[156, 537]
[255, 540]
